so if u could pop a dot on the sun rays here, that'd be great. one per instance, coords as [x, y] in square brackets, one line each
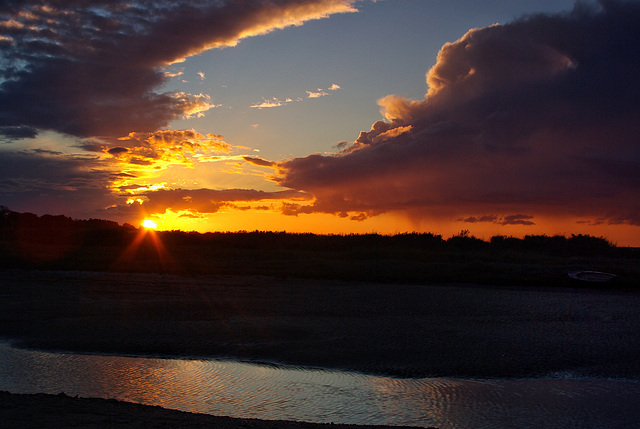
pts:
[146, 251]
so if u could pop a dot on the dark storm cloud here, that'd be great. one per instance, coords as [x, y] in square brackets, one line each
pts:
[94, 68]
[539, 116]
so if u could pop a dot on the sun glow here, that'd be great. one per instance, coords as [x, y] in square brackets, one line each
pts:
[150, 224]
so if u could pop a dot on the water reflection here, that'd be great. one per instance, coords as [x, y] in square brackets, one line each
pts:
[245, 390]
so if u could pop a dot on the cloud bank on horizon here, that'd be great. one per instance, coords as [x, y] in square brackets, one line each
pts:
[537, 117]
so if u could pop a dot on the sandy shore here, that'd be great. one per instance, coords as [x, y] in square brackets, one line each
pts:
[403, 330]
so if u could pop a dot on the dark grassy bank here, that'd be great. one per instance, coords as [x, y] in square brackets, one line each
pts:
[60, 243]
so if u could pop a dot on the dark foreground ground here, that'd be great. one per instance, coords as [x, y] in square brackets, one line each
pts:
[61, 411]
[394, 329]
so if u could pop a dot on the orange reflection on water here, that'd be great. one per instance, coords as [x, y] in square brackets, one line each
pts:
[163, 382]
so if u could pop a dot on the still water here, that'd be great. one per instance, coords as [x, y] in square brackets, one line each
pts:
[248, 390]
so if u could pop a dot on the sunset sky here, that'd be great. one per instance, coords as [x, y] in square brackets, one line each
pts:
[329, 116]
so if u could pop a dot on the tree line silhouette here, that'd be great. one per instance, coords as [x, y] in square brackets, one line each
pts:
[55, 229]
[30, 241]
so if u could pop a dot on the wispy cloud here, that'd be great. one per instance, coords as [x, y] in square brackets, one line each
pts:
[275, 102]
[317, 94]
[272, 102]
[322, 92]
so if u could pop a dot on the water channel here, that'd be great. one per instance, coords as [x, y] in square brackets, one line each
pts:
[239, 389]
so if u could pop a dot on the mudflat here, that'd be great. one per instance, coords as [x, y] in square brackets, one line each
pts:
[393, 329]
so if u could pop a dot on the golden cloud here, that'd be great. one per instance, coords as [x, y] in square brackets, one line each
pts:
[170, 146]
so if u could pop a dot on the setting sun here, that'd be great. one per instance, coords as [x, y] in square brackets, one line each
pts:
[150, 224]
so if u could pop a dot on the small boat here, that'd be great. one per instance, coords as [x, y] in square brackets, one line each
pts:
[592, 276]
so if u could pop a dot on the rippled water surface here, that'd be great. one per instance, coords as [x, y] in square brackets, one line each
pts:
[239, 389]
